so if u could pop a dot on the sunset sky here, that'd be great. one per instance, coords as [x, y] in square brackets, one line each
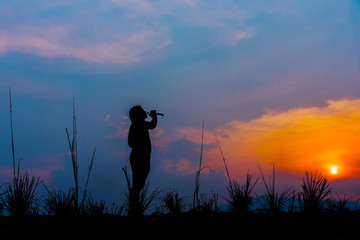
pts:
[276, 82]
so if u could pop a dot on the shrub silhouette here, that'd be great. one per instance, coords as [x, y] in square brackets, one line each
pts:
[172, 202]
[20, 195]
[315, 190]
[60, 203]
[272, 201]
[240, 198]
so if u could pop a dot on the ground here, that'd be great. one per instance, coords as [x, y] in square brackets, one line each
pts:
[191, 226]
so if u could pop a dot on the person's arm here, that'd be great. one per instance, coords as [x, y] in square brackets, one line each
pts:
[153, 123]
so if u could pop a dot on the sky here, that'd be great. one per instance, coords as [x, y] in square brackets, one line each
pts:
[275, 82]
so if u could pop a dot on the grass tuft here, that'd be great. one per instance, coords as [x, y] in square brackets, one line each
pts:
[172, 203]
[271, 201]
[315, 191]
[145, 198]
[60, 203]
[240, 198]
[20, 195]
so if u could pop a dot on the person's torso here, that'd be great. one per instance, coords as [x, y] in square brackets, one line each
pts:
[139, 138]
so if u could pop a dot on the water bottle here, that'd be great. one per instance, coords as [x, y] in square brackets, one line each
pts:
[159, 115]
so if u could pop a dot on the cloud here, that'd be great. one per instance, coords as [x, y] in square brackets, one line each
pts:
[140, 5]
[180, 167]
[52, 41]
[122, 130]
[129, 30]
[43, 166]
[299, 140]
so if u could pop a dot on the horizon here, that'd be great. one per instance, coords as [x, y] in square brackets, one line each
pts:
[276, 82]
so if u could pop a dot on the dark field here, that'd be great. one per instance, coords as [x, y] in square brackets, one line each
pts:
[192, 226]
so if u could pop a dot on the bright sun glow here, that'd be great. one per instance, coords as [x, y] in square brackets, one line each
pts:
[333, 169]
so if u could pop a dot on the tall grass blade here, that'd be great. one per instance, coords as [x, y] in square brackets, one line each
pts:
[272, 201]
[197, 176]
[224, 160]
[12, 133]
[146, 200]
[73, 152]
[127, 194]
[88, 176]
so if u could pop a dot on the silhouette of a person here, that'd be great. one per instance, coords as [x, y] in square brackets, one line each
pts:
[140, 143]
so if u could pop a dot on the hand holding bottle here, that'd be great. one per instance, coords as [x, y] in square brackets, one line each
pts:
[154, 114]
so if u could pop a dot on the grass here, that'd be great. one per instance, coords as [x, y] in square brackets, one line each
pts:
[339, 203]
[12, 134]
[196, 200]
[208, 203]
[240, 195]
[59, 203]
[74, 159]
[315, 190]
[272, 201]
[172, 203]
[201, 201]
[20, 195]
[145, 198]
[19, 198]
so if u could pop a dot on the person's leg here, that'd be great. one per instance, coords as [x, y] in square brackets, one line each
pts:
[134, 190]
[140, 171]
[143, 173]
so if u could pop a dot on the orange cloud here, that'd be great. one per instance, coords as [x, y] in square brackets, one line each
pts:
[299, 140]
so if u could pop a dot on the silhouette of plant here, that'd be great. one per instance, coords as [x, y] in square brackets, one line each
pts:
[272, 201]
[339, 203]
[240, 198]
[196, 199]
[20, 195]
[172, 202]
[292, 202]
[60, 203]
[208, 203]
[74, 159]
[145, 199]
[94, 208]
[127, 193]
[315, 190]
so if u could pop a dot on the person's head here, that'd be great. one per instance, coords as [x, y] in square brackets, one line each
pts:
[137, 114]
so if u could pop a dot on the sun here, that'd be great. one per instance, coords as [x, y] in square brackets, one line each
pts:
[333, 169]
